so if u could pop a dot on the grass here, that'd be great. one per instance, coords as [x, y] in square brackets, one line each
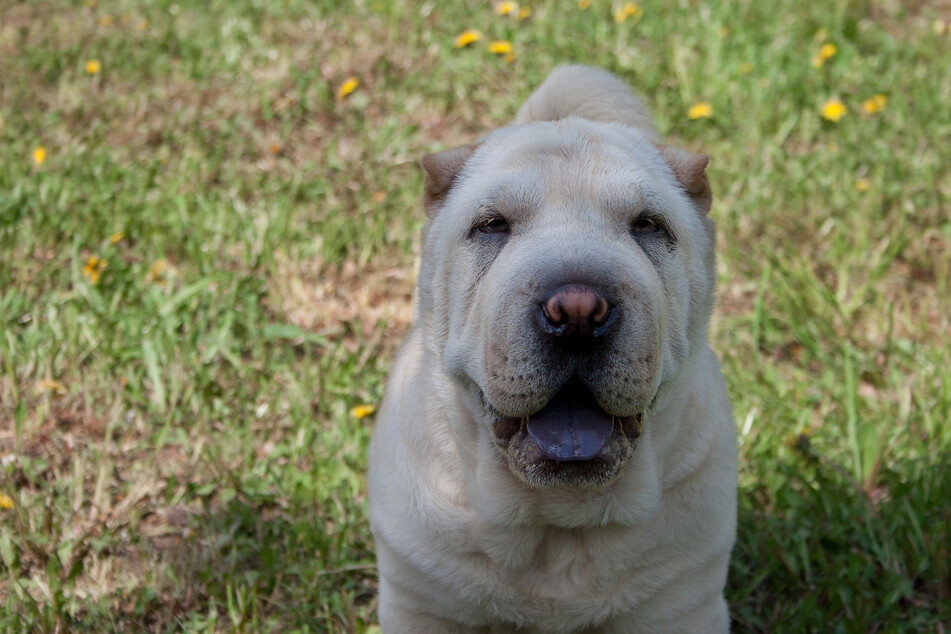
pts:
[176, 437]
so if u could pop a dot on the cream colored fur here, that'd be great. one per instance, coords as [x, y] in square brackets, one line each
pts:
[587, 93]
[463, 544]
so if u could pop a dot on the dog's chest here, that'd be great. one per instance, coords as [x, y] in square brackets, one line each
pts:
[564, 573]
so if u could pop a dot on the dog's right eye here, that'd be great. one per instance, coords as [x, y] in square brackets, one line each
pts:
[497, 224]
[645, 224]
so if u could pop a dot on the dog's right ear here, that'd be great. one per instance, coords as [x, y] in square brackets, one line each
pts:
[442, 168]
[691, 171]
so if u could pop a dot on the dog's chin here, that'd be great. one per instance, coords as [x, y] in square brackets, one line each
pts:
[569, 442]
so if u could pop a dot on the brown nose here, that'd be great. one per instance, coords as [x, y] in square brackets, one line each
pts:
[576, 309]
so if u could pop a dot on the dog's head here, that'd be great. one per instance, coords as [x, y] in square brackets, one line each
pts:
[567, 274]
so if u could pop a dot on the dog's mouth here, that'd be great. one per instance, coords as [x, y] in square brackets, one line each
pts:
[571, 426]
[571, 440]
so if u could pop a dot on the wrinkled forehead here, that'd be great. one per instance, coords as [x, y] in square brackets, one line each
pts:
[570, 160]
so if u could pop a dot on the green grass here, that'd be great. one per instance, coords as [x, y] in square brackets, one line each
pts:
[176, 438]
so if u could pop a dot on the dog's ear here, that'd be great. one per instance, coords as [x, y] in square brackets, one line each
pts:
[442, 168]
[691, 171]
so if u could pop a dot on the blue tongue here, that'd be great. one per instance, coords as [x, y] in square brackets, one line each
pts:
[571, 426]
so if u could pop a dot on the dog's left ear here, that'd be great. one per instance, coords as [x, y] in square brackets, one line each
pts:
[691, 171]
[442, 168]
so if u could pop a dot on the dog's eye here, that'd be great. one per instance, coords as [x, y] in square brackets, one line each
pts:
[645, 224]
[497, 224]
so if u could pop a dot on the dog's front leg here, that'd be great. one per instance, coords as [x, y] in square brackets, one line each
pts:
[399, 615]
[711, 617]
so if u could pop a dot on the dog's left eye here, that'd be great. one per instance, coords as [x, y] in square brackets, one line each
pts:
[498, 224]
[645, 224]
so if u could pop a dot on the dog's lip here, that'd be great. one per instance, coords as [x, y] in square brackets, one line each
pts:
[508, 426]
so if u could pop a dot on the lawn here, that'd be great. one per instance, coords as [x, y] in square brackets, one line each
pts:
[209, 222]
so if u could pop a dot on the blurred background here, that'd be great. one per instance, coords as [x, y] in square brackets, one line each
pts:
[209, 221]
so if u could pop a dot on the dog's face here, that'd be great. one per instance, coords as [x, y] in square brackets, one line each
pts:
[567, 270]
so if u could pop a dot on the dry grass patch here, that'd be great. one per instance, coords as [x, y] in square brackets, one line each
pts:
[344, 301]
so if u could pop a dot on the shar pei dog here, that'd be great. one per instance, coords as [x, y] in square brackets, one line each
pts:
[556, 450]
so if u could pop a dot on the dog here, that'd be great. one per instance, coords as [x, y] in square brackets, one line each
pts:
[556, 451]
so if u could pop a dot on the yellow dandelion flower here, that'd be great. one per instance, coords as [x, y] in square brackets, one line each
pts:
[584, 4]
[700, 110]
[362, 411]
[39, 155]
[506, 8]
[504, 48]
[874, 104]
[833, 110]
[49, 385]
[6, 502]
[629, 10]
[157, 270]
[862, 185]
[800, 442]
[347, 87]
[93, 268]
[116, 237]
[378, 197]
[826, 52]
[500, 47]
[524, 13]
[143, 25]
[93, 66]
[745, 68]
[724, 31]
[105, 20]
[466, 38]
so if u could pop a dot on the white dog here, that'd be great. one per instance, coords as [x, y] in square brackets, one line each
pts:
[556, 450]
